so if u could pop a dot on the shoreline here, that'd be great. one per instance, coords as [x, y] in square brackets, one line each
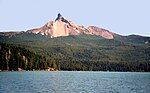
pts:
[74, 71]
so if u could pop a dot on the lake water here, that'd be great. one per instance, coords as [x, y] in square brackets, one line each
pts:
[74, 82]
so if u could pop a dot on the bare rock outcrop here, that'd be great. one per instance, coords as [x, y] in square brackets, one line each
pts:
[59, 27]
[100, 32]
[63, 27]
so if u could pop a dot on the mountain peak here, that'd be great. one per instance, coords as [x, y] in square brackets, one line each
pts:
[59, 16]
[63, 27]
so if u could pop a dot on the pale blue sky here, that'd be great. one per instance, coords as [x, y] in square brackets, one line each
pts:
[120, 16]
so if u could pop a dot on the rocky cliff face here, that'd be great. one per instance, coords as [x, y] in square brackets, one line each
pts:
[100, 32]
[63, 27]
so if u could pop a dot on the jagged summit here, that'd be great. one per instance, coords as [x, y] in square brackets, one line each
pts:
[59, 16]
[64, 27]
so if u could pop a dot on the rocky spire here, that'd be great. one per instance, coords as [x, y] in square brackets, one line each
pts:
[59, 16]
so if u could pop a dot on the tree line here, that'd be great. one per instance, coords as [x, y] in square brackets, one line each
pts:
[13, 57]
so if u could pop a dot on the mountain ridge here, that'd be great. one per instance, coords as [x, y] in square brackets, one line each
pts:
[63, 27]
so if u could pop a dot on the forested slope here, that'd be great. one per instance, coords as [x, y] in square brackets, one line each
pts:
[83, 52]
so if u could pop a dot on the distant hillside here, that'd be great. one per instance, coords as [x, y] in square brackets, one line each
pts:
[84, 52]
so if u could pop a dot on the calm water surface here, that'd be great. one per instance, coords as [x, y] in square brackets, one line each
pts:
[74, 82]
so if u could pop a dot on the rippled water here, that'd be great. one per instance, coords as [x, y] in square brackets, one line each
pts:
[74, 82]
